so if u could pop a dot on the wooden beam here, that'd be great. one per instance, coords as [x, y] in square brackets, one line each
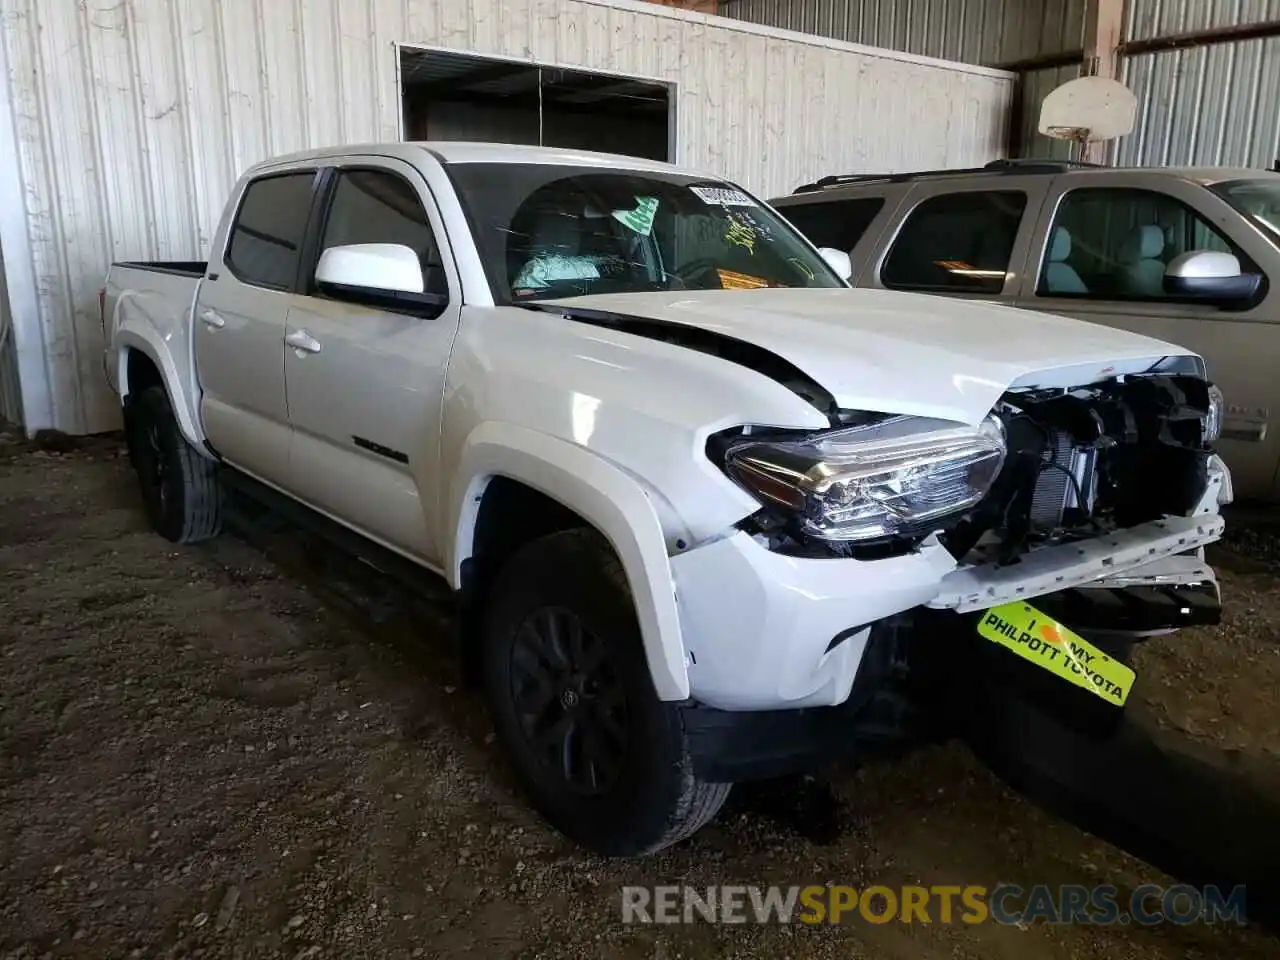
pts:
[1202, 38]
[1103, 32]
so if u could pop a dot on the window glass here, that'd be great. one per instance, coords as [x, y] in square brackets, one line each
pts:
[1114, 244]
[549, 232]
[1259, 200]
[267, 236]
[956, 242]
[834, 223]
[375, 206]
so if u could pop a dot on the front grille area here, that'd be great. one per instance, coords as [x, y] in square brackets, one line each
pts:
[1066, 474]
[1053, 487]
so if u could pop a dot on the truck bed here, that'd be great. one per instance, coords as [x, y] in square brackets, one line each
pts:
[151, 303]
[182, 268]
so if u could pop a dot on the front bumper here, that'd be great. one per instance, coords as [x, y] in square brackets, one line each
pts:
[1068, 565]
[764, 631]
[1170, 594]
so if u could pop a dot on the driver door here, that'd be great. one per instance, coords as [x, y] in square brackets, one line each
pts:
[364, 371]
[1112, 240]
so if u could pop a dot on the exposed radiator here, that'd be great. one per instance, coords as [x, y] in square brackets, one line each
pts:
[1055, 492]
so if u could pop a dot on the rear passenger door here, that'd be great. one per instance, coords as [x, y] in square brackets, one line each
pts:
[960, 239]
[1101, 256]
[240, 323]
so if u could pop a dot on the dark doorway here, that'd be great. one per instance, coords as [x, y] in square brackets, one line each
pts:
[460, 96]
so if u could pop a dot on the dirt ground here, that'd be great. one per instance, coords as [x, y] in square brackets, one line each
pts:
[248, 750]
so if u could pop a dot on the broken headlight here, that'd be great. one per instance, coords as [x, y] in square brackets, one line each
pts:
[1212, 421]
[898, 476]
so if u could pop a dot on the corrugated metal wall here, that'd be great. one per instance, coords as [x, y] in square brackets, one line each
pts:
[1036, 85]
[134, 117]
[1217, 105]
[972, 31]
[1212, 105]
[1162, 18]
[1208, 105]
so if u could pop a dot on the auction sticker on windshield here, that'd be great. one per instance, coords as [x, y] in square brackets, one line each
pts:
[1050, 645]
[723, 196]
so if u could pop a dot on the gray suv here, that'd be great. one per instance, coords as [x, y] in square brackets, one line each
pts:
[1190, 255]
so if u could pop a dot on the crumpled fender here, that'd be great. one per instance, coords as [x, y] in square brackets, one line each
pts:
[613, 501]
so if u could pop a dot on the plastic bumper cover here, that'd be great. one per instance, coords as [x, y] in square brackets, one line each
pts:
[759, 627]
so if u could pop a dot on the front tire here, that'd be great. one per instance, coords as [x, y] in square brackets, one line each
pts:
[179, 486]
[601, 757]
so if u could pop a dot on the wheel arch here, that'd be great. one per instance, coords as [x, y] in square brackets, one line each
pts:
[508, 461]
[136, 354]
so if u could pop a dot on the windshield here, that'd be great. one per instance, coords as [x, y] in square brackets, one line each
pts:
[550, 232]
[1259, 200]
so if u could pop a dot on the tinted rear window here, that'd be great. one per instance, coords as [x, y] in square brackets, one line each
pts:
[834, 223]
[957, 242]
[267, 237]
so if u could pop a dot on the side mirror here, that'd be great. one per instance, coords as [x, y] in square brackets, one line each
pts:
[384, 267]
[1210, 276]
[839, 261]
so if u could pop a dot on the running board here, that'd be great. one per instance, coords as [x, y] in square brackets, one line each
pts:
[404, 571]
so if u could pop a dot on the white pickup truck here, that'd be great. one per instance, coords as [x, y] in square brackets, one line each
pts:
[705, 507]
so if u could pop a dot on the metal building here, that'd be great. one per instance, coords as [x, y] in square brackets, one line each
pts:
[1206, 72]
[123, 125]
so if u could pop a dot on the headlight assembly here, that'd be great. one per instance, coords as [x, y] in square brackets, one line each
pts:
[899, 476]
[1212, 422]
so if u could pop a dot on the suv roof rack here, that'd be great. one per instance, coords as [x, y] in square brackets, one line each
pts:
[995, 167]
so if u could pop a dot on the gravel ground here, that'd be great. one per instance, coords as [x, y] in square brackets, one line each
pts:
[248, 750]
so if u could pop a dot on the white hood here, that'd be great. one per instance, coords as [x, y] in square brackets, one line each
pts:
[904, 353]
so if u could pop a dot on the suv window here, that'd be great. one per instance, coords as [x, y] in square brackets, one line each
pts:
[267, 235]
[1114, 244]
[377, 206]
[834, 223]
[956, 242]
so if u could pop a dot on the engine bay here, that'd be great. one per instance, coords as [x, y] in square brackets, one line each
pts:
[1087, 461]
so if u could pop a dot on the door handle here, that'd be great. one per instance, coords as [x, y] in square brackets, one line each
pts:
[212, 320]
[303, 342]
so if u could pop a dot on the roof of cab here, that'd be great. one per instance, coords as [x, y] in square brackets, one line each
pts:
[461, 151]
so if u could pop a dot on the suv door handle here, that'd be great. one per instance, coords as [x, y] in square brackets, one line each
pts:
[302, 341]
[212, 319]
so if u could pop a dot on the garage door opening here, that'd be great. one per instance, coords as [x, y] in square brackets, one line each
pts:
[457, 96]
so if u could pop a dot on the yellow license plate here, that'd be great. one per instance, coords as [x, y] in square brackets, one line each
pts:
[1048, 644]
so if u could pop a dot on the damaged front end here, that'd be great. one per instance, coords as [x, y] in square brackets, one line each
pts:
[1113, 487]
[1057, 488]
[1087, 462]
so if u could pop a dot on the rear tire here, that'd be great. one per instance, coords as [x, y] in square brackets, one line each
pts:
[180, 487]
[601, 757]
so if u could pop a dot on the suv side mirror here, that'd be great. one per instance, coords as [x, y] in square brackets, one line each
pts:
[1210, 276]
[838, 261]
[382, 267]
